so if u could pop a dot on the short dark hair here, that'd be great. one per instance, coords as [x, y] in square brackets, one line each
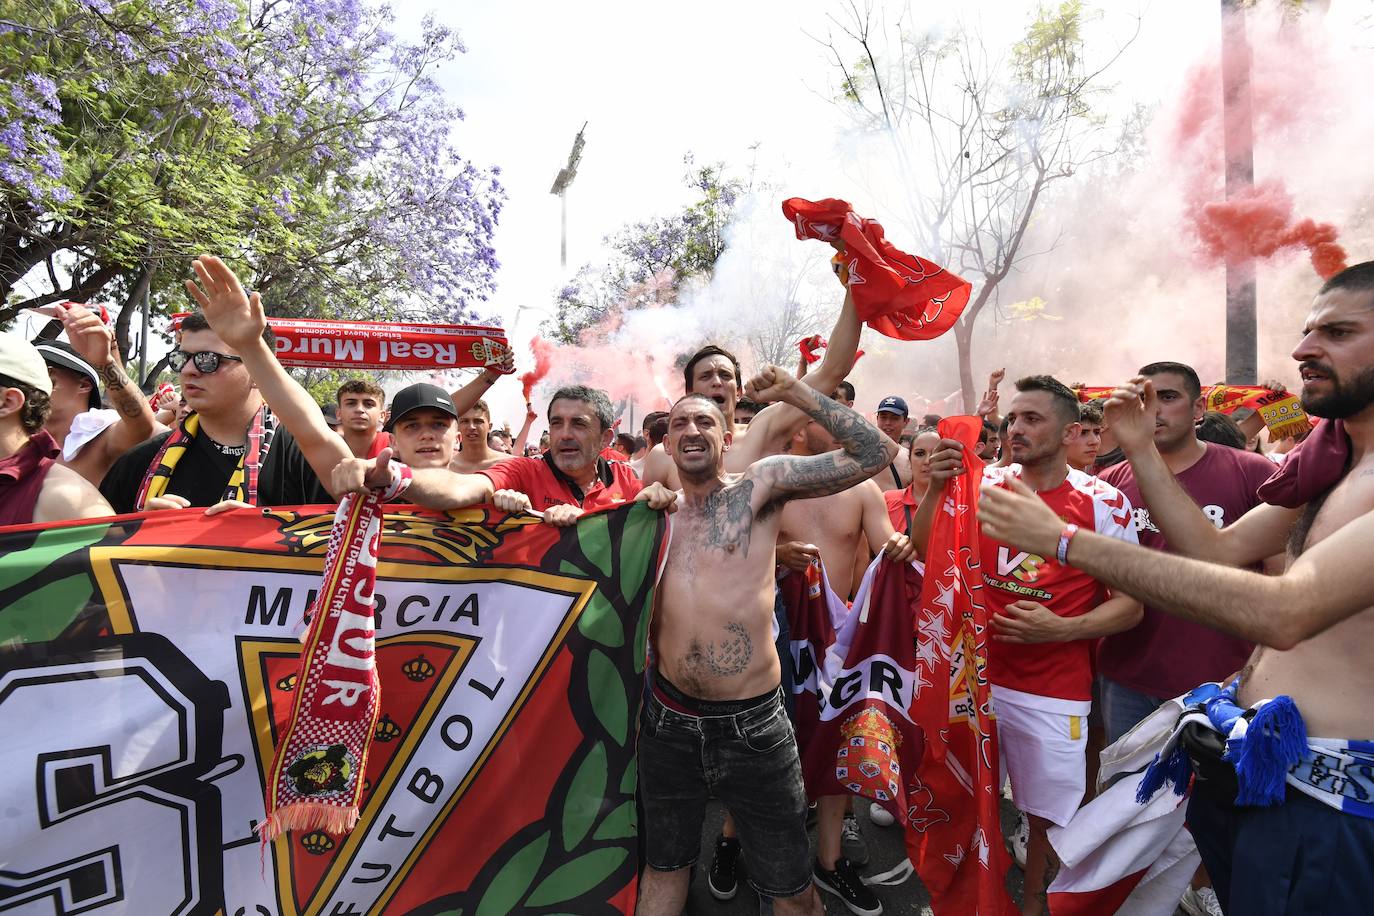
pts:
[1090, 414]
[658, 430]
[594, 397]
[931, 419]
[1219, 428]
[1191, 383]
[651, 417]
[37, 404]
[693, 396]
[847, 388]
[483, 408]
[921, 431]
[989, 430]
[360, 386]
[1357, 278]
[196, 321]
[1065, 401]
[707, 351]
[746, 404]
[626, 443]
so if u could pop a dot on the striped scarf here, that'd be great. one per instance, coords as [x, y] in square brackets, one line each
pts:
[316, 780]
[243, 483]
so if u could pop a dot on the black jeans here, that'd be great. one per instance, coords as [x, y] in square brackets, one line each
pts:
[749, 761]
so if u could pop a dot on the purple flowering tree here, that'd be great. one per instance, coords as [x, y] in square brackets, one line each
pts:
[303, 140]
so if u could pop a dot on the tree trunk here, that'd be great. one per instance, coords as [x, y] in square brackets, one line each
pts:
[126, 313]
[146, 383]
[1242, 329]
[81, 291]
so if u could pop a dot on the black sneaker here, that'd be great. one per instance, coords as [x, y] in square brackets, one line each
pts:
[723, 878]
[844, 882]
[852, 845]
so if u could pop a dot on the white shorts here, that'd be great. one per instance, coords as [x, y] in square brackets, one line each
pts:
[1043, 744]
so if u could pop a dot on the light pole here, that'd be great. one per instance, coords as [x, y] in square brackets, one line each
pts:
[1239, 145]
[560, 187]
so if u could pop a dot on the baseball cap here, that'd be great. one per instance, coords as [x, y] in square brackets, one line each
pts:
[331, 414]
[416, 397]
[892, 404]
[60, 354]
[21, 361]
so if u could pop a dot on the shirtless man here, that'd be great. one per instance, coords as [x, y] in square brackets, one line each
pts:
[1314, 624]
[832, 529]
[477, 455]
[714, 723]
[715, 373]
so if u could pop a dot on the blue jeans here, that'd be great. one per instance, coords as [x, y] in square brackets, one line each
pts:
[1123, 708]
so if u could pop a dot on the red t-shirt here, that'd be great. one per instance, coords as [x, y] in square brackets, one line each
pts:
[545, 485]
[1164, 656]
[901, 508]
[1061, 670]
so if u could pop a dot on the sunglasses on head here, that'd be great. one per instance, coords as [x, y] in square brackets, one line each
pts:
[206, 361]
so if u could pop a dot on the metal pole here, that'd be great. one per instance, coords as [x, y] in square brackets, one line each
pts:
[563, 245]
[1241, 323]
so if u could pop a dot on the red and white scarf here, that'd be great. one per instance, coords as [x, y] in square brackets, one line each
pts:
[317, 777]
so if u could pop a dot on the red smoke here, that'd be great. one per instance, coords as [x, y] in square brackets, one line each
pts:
[543, 362]
[1259, 224]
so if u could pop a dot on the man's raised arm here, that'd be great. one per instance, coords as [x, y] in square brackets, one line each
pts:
[1130, 414]
[774, 427]
[239, 321]
[1321, 588]
[863, 452]
[96, 343]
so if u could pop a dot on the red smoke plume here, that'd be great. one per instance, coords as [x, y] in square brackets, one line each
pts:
[1260, 224]
[543, 362]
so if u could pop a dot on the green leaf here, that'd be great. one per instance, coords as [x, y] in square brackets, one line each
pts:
[630, 781]
[600, 622]
[608, 695]
[594, 537]
[573, 879]
[636, 550]
[42, 615]
[49, 547]
[514, 878]
[619, 824]
[583, 802]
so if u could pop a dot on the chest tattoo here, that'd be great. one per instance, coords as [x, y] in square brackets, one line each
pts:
[730, 517]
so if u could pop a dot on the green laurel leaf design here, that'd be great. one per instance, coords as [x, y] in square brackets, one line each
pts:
[48, 547]
[636, 560]
[594, 537]
[600, 623]
[514, 878]
[42, 615]
[575, 878]
[585, 793]
[607, 690]
[618, 825]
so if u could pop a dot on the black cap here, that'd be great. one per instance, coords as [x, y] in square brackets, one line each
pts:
[331, 414]
[60, 353]
[416, 397]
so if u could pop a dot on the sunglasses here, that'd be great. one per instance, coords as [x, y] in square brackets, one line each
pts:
[206, 361]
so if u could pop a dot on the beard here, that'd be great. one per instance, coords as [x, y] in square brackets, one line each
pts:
[1345, 398]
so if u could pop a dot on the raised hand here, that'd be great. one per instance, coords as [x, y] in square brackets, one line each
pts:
[988, 405]
[946, 461]
[1130, 413]
[89, 336]
[500, 361]
[1015, 515]
[235, 316]
[771, 384]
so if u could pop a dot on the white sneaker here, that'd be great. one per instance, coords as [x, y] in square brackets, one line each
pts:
[1019, 839]
[1200, 902]
[880, 816]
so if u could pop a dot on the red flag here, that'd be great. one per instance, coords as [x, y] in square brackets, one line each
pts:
[897, 294]
[961, 860]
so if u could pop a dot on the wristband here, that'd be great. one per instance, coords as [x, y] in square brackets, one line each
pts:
[400, 480]
[1061, 553]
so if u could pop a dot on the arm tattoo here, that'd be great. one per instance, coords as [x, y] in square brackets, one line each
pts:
[726, 658]
[864, 453]
[731, 517]
[117, 385]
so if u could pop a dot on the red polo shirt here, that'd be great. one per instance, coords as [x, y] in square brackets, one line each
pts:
[545, 485]
[901, 508]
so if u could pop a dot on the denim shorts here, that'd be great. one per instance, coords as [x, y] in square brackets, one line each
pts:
[749, 762]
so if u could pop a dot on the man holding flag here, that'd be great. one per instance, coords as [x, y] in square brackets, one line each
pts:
[1046, 616]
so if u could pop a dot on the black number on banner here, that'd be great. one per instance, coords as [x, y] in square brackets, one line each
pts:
[105, 810]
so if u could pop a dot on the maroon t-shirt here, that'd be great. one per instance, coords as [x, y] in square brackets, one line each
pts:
[1164, 656]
